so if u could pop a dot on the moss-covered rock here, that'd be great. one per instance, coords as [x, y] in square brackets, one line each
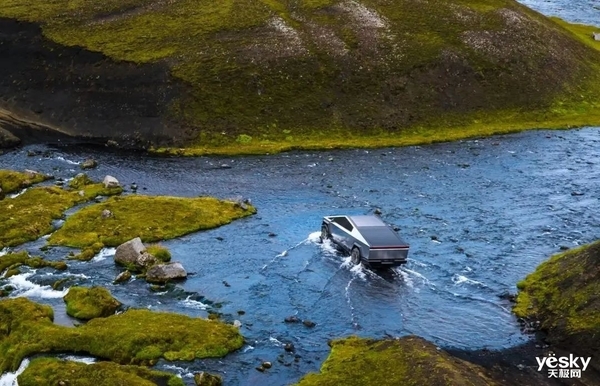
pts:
[133, 337]
[160, 252]
[12, 181]
[8, 139]
[152, 218]
[80, 180]
[406, 361]
[13, 260]
[52, 372]
[29, 216]
[563, 294]
[247, 76]
[89, 303]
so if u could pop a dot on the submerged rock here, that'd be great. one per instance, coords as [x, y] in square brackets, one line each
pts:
[161, 273]
[89, 164]
[123, 277]
[206, 379]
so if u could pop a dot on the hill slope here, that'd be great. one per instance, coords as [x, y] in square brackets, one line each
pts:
[281, 70]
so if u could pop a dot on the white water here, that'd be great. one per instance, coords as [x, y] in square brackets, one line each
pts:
[15, 195]
[3, 251]
[190, 303]
[67, 160]
[25, 288]
[10, 379]
[104, 253]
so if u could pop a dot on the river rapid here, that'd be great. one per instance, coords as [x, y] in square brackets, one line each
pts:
[479, 216]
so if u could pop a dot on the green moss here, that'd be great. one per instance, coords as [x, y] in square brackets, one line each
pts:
[89, 303]
[133, 337]
[430, 72]
[50, 372]
[152, 218]
[160, 252]
[12, 181]
[405, 361]
[80, 180]
[13, 260]
[564, 295]
[29, 216]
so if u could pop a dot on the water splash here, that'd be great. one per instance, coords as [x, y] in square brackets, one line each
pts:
[15, 195]
[104, 253]
[25, 288]
[67, 160]
[195, 304]
[460, 279]
[10, 379]
[75, 358]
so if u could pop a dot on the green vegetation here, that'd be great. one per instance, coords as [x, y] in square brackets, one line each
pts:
[267, 76]
[89, 303]
[410, 361]
[138, 337]
[160, 252]
[148, 217]
[29, 216]
[581, 31]
[51, 372]
[12, 181]
[12, 261]
[563, 294]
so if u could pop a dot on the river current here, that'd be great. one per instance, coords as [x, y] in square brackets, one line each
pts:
[479, 216]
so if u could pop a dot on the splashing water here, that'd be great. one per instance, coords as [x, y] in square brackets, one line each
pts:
[25, 288]
[10, 379]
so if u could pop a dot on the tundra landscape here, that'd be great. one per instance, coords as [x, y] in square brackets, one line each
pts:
[165, 167]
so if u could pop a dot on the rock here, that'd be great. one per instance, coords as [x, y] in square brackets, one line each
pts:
[377, 211]
[206, 379]
[110, 182]
[563, 248]
[123, 277]
[161, 273]
[577, 193]
[7, 139]
[260, 368]
[111, 143]
[106, 213]
[219, 238]
[89, 164]
[434, 238]
[292, 319]
[596, 36]
[31, 174]
[129, 252]
[241, 312]
[267, 365]
[272, 234]
[289, 347]
[146, 260]
[133, 187]
[237, 324]
[226, 284]
[308, 323]
[225, 166]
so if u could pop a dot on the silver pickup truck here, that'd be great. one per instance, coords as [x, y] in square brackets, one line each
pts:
[367, 239]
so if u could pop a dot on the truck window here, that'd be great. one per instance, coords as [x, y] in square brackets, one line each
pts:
[343, 222]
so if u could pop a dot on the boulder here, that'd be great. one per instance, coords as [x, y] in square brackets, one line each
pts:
[206, 379]
[123, 277]
[89, 164]
[596, 36]
[129, 252]
[106, 213]
[7, 139]
[161, 273]
[110, 182]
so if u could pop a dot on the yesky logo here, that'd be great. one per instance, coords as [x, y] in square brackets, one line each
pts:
[563, 367]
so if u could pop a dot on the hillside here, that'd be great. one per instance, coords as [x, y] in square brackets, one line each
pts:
[297, 72]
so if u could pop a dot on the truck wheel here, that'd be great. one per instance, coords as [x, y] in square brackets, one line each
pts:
[355, 256]
[324, 233]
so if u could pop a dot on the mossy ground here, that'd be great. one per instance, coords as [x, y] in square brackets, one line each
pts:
[12, 181]
[14, 260]
[267, 76]
[152, 218]
[89, 303]
[138, 337]
[29, 216]
[51, 372]
[160, 252]
[564, 295]
[410, 361]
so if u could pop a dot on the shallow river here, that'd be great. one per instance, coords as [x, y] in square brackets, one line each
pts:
[479, 215]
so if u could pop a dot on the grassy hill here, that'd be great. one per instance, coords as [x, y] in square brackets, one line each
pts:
[265, 75]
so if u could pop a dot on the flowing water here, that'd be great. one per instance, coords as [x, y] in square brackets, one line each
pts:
[479, 215]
